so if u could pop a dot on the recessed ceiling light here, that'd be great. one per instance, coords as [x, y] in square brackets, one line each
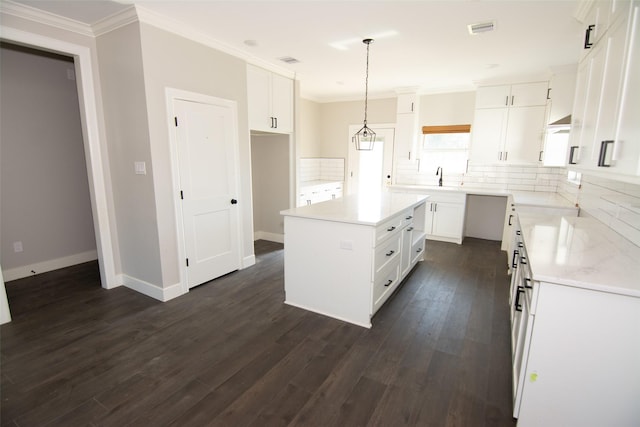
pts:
[252, 43]
[481, 27]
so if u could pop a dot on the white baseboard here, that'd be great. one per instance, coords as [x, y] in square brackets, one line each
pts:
[272, 237]
[50, 265]
[151, 290]
[248, 261]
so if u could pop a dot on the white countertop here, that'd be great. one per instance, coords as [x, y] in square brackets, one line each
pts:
[528, 198]
[304, 184]
[580, 252]
[358, 209]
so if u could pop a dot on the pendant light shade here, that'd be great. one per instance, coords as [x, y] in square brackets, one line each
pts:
[365, 137]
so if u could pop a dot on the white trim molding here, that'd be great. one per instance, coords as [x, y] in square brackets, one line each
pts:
[23, 11]
[151, 290]
[50, 265]
[272, 237]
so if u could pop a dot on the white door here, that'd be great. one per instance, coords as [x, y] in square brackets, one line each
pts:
[206, 139]
[370, 171]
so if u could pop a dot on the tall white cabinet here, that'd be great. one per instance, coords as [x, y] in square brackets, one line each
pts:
[605, 130]
[270, 101]
[509, 123]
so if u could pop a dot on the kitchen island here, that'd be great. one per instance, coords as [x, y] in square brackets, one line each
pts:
[345, 257]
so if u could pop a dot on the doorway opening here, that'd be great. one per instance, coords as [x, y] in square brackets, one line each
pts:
[370, 171]
[271, 184]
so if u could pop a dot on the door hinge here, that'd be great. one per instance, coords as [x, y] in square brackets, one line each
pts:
[181, 195]
[175, 120]
[187, 262]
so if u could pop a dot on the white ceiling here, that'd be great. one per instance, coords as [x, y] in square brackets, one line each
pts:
[431, 48]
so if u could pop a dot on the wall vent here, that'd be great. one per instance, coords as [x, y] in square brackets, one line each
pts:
[289, 60]
[481, 27]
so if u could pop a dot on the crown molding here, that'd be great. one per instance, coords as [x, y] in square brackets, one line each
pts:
[178, 28]
[22, 11]
[115, 21]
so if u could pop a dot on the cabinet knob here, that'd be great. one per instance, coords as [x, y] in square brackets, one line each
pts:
[234, 202]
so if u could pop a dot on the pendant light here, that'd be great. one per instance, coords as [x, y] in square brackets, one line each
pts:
[365, 137]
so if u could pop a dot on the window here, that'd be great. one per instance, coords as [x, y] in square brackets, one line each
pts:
[446, 147]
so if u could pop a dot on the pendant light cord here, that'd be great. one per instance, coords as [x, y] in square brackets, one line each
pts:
[366, 82]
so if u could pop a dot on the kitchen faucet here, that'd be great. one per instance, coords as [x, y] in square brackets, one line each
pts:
[439, 172]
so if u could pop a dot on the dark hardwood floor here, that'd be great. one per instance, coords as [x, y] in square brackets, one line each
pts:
[230, 353]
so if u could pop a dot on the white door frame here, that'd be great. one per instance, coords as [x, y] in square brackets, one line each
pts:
[171, 95]
[352, 130]
[94, 156]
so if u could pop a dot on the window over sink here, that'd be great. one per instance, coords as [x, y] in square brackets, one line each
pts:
[446, 147]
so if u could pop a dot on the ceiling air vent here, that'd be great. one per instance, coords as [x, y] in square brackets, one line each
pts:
[481, 27]
[289, 60]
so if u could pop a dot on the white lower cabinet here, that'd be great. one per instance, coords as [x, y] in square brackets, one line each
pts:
[316, 193]
[444, 218]
[575, 350]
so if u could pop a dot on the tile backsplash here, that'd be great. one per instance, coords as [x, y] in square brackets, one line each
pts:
[494, 177]
[321, 168]
[615, 203]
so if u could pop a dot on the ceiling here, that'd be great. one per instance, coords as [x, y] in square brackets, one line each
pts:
[422, 44]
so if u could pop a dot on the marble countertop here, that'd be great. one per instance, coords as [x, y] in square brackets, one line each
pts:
[358, 209]
[526, 198]
[580, 252]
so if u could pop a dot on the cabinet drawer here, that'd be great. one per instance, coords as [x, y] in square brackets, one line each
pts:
[417, 249]
[386, 253]
[407, 218]
[389, 228]
[446, 197]
[384, 284]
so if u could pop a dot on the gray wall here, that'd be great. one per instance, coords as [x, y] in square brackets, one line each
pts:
[125, 111]
[173, 61]
[45, 194]
[270, 175]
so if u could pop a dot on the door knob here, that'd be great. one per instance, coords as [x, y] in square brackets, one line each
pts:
[234, 202]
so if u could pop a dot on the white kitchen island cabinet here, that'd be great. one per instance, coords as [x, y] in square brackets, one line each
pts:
[345, 257]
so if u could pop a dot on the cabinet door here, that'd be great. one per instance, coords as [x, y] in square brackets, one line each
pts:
[259, 98]
[525, 134]
[627, 145]
[405, 139]
[428, 218]
[529, 94]
[488, 133]
[579, 105]
[588, 153]
[282, 103]
[448, 219]
[493, 96]
[405, 254]
[407, 103]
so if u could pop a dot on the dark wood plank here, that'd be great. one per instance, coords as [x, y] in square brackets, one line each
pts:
[232, 353]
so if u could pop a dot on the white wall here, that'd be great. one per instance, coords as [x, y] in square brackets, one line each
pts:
[270, 175]
[455, 108]
[308, 131]
[45, 191]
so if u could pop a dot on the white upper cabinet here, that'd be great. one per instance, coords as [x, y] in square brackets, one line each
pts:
[518, 95]
[605, 129]
[407, 127]
[509, 123]
[270, 98]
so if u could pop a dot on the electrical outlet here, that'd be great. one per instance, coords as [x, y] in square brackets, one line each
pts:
[17, 246]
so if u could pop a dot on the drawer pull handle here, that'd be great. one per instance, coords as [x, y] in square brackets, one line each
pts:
[409, 217]
[526, 283]
[517, 304]
[388, 283]
[391, 228]
[418, 250]
[390, 253]
[510, 218]
[514, 262]
[520, 245]
[523, 260]
[409, 228]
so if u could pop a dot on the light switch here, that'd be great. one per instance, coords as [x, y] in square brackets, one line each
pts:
[141, 168]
